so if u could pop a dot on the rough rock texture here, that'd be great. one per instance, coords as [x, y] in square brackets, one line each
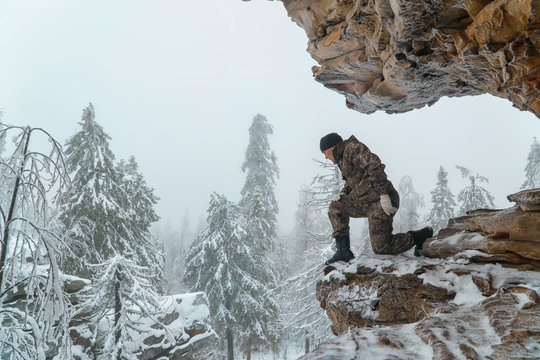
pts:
[193, 337]
[185, 314]
[401, 307]
[475, 295]
[510, 236]
[398, 55]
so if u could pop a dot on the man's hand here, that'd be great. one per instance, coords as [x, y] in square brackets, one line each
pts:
[386, 205]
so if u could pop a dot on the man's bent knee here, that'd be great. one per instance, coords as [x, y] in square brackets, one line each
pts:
[381, 244]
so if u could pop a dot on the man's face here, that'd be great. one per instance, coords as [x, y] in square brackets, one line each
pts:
[329, 154]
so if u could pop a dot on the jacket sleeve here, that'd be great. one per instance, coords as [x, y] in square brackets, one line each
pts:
[363, 158]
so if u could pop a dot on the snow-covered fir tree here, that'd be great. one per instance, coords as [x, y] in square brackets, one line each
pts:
[474, 196]
[34, 308]
[109, 208]
[443, 203]
[92, 211]
[258, 201]
[259, 207]
[407, 217]
[140, 200]
[532, 169]
[221, 263]
[115, 305]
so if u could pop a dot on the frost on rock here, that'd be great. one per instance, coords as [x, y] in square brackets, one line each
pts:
[186, 317]
[404, 307]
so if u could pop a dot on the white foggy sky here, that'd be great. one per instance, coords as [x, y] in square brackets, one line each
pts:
[177, 83]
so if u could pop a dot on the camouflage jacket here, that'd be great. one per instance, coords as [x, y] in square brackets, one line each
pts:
[363, 172]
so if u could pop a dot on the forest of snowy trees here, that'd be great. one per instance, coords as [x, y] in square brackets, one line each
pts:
[75, 211]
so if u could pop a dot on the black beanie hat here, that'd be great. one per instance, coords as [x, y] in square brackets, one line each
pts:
[330, 140]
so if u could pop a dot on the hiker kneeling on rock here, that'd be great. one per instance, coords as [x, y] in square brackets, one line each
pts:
[367, 194]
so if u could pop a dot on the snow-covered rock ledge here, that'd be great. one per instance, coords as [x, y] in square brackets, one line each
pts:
[474, 295]
[510, 236]
[421, 308]
[185, 315]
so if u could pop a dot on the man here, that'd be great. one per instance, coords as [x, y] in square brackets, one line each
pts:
[367, 194]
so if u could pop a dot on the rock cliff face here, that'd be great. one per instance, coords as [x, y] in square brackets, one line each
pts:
[475, 297]
[398, 55]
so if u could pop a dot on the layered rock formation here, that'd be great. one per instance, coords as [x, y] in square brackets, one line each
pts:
[475, 297]
[398, 55]
[509, 236]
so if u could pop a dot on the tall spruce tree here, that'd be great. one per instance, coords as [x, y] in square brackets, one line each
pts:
[443, 202]
[220, 263]
[474, 196]
[108, 209]
[258, 201]
[259, 207]
[92, 212]
[532, 169]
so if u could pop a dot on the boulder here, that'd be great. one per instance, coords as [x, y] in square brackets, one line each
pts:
[509, 236]
[187, 319]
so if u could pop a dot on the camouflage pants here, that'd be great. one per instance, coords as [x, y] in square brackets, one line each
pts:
[380, 224]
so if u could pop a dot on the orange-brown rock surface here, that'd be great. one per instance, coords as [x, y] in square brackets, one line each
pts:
[401, 307]
[509, 236]
[474, 296]
[398, 55]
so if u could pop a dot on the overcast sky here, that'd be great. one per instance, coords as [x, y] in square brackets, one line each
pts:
[177, 83]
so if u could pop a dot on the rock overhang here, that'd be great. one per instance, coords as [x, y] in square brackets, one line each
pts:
[397, 55]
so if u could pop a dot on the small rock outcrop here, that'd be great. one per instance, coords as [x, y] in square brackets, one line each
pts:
[186, 317]
[510, 236]
[399, 55]
[475, 294]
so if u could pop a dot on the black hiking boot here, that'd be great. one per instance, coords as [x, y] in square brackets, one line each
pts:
[419, 237]
[343, 252]
[347, 245]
